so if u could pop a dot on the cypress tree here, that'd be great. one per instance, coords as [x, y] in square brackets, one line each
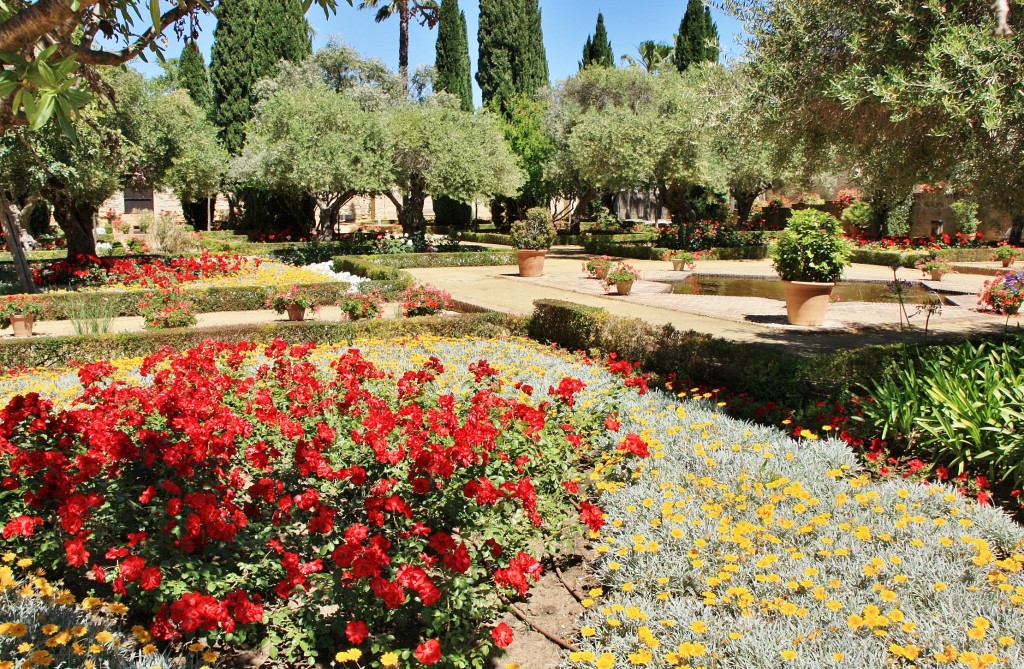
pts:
[251, 37]
[512, 55]
[193, 77]
[711, 44]
[532, 70]
[454, 75]
[697, 40]
[598, 50]
[452, 62]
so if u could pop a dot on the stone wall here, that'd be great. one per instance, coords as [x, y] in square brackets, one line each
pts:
[931, 207]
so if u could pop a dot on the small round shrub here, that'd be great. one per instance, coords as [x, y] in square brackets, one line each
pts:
[811, 248]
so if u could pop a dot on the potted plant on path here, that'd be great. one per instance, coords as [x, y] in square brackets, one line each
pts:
[682, 261]
[622, 277]
[1005, 254]
[598, 267]
[295, 301]
[810, 256]
[20, 312]
[936, 268]
[532, 238]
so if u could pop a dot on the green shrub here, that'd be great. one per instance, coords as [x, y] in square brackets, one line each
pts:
[858, 215]
[966, 214]
[536, 232]
[811, 248]
[908, 259]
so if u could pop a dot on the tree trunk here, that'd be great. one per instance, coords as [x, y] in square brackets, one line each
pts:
[76, 221]
[1017, 231]
[411, 213]
[13, 238]
[744, 203]
[403, 41]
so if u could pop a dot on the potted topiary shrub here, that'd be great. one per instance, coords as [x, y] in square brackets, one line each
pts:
[810, 256]
[532, 238]
[1005, 254]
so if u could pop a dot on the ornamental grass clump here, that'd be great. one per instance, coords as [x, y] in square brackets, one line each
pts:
[811, 248]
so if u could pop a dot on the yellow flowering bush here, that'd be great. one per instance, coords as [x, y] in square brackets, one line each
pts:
[735, 546]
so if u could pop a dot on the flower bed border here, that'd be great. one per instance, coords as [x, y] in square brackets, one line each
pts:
[61, 351]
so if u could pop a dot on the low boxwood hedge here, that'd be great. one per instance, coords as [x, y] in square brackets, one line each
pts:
[386, 275]
[640, 252]
[205, 299]
[766, 372]
[61, 351]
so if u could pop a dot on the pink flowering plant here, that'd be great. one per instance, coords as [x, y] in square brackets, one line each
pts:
[294, 296]
[361, 306]
[425, 301]
[1003, 295]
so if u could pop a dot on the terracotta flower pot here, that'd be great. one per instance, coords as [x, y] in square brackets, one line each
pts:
[678, 265]
[807, 302]
[1007, 262]
[602, 273]
[295, 312]
[937, 274]
[624, 287]
[22, 325]
[531, 262]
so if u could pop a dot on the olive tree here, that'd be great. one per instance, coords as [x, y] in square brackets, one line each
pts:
[624, 129]
[899, 92]
[439, 150]
[319, 142]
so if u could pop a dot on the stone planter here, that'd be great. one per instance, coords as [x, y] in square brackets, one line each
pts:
[22, 325]
[623, 287]
[531, 262]
[295, 312]
[807, 302]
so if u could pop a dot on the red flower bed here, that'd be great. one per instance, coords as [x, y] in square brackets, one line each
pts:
[92, 271]
[243, 491]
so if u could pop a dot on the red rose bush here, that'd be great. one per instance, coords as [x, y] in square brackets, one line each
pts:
[308, 500]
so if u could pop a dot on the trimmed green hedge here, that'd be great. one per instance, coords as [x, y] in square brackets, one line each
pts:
[763, 371]
[456, 259]
[657, 253]
[912, 259]
[35, 256]
[60, 351]
[570, 240]
[206, 300]
[386, 275]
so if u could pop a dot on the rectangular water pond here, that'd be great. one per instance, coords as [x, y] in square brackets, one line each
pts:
[773, 289]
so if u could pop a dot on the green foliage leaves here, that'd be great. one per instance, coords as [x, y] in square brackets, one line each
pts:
[963, 405]
[811, 248]
[697, 40]
[534, 233]
[512, 56]
[454, 73]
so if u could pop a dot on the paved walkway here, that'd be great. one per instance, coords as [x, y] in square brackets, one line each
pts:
[746, 319]
[736, 318]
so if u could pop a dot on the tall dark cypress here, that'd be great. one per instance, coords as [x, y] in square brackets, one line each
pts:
[512, 55]
[193, 76]
[454, 73]
[532, 70]
[598, 49]
[697, 40]
[711, 45]
[251, 37]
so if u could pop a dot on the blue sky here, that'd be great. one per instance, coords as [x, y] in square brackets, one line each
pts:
[567, 23]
